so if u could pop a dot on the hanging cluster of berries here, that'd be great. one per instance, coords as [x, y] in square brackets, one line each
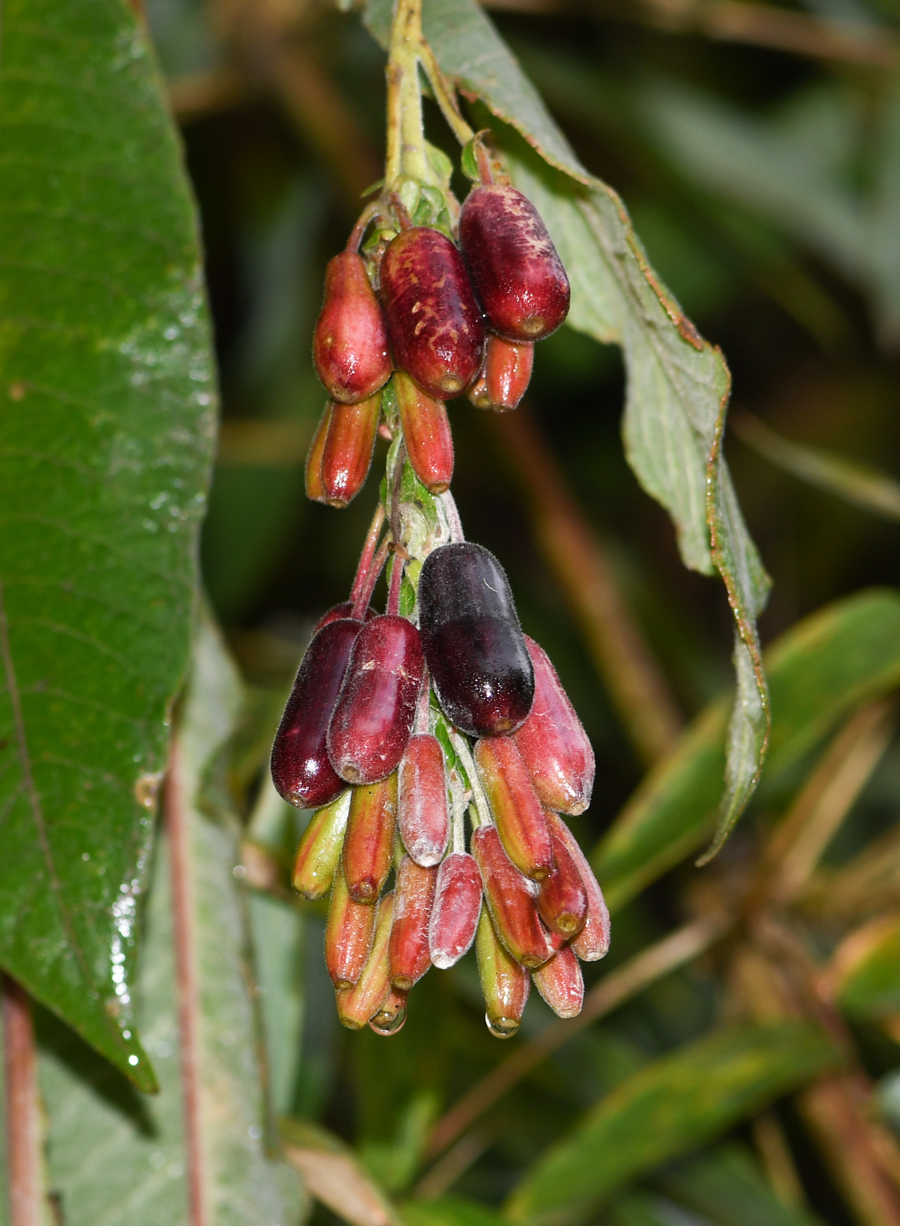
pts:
[439, 712]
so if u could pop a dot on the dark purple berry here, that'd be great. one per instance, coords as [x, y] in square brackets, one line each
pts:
[473, 643]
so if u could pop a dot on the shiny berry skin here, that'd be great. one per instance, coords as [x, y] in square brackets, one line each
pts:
[457, 906]
[422, 811]
[358, 1004]
[374, 713]
[517, 811]
[553, 743]
[347, 454]
[560, 983]
[349, 930]
[408, 954]
[505, 375]
[473, 643]
[517, 273]
[301, 770]
[510, 898]
[319, 851]
[563, 902]
[350, 343]
[426, 432]
[592, 943]
[369, 841]
[505, 984]
[433, 318]
[342, 610]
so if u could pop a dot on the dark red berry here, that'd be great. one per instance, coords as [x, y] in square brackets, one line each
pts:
[374, 714]
[426, 432]
[301, 770]
[408, 953]
[350, 343]
[347, 453]
[560, 983]
[433, 318]
[505, 375]
[563, 902]
[516, 271]
[553, 743]
[592, 942]
[473, 643]
[342, 610]
[510, 898]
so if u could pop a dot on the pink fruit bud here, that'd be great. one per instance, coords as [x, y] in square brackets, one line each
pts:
[592, 942]
[507, 373]
[350, 343]
[426, 431]
[408, 954]
[517, 811]
[319, 851]
[560, 983]
[553, 744]
[348, 935]
[369, 841]
[504, 983]
[511, 900]
[374, 714]
[315, 490]
[347, 454]
[423, 812]
[358, 1004]
[562, 902]
[301, 770]
[457, 906]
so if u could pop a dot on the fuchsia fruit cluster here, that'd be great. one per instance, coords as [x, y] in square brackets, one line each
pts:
[436, 745]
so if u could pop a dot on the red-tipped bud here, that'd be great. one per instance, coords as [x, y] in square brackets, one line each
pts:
[408, 949]
[359, 1004]
[516, 271]
[517, 811]
[369, 841]
[560, 983]
[553, 744]
[457, 906]
[319, 851]
[433, 318]
[506, 374]
[350, 343]
[315, 488]
[339, 612]
[391, 1017]
[422, 810]
[511, 900]
[592, 942]
[504, 983]
[348, 935]
[301, 770]
[426, 432]
[347, 454]
[374, 714]
[563, 902]
[472, 640]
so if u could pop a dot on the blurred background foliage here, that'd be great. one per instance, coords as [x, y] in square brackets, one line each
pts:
[757, 147]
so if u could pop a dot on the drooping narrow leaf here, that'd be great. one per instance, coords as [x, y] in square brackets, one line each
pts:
[864, 974]
[335, 1176]
[678, 384]
[116, 1156]
[819, 672]
[107, 391]
[672, 1105]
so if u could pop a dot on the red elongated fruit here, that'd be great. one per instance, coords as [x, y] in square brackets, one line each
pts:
[319, 851]
[348, 935]
[592, 943]
[561, 984]
[422, 810]
[391, 1017]
[347, 454]
[478, 393]
[553, 744]
[374, 714]
[516, 271]
[507, 373]
[426, 431]
[369, 841]
[301, 770]
[358, 1004]
[350, 343]
[517, 811]
[510, 900]
[457, 906]
[473, 643]
[315, 489]
[433, 318]
[342, 610]
[504, 983]
[408, 954]
[563, 902]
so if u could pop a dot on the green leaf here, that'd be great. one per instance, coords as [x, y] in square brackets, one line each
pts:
[865, 970]
[107, 390]
[820, 672]
[449, 1211]
[97, 1121]
[674, 1104]
[678, 384]
[727, 1186]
